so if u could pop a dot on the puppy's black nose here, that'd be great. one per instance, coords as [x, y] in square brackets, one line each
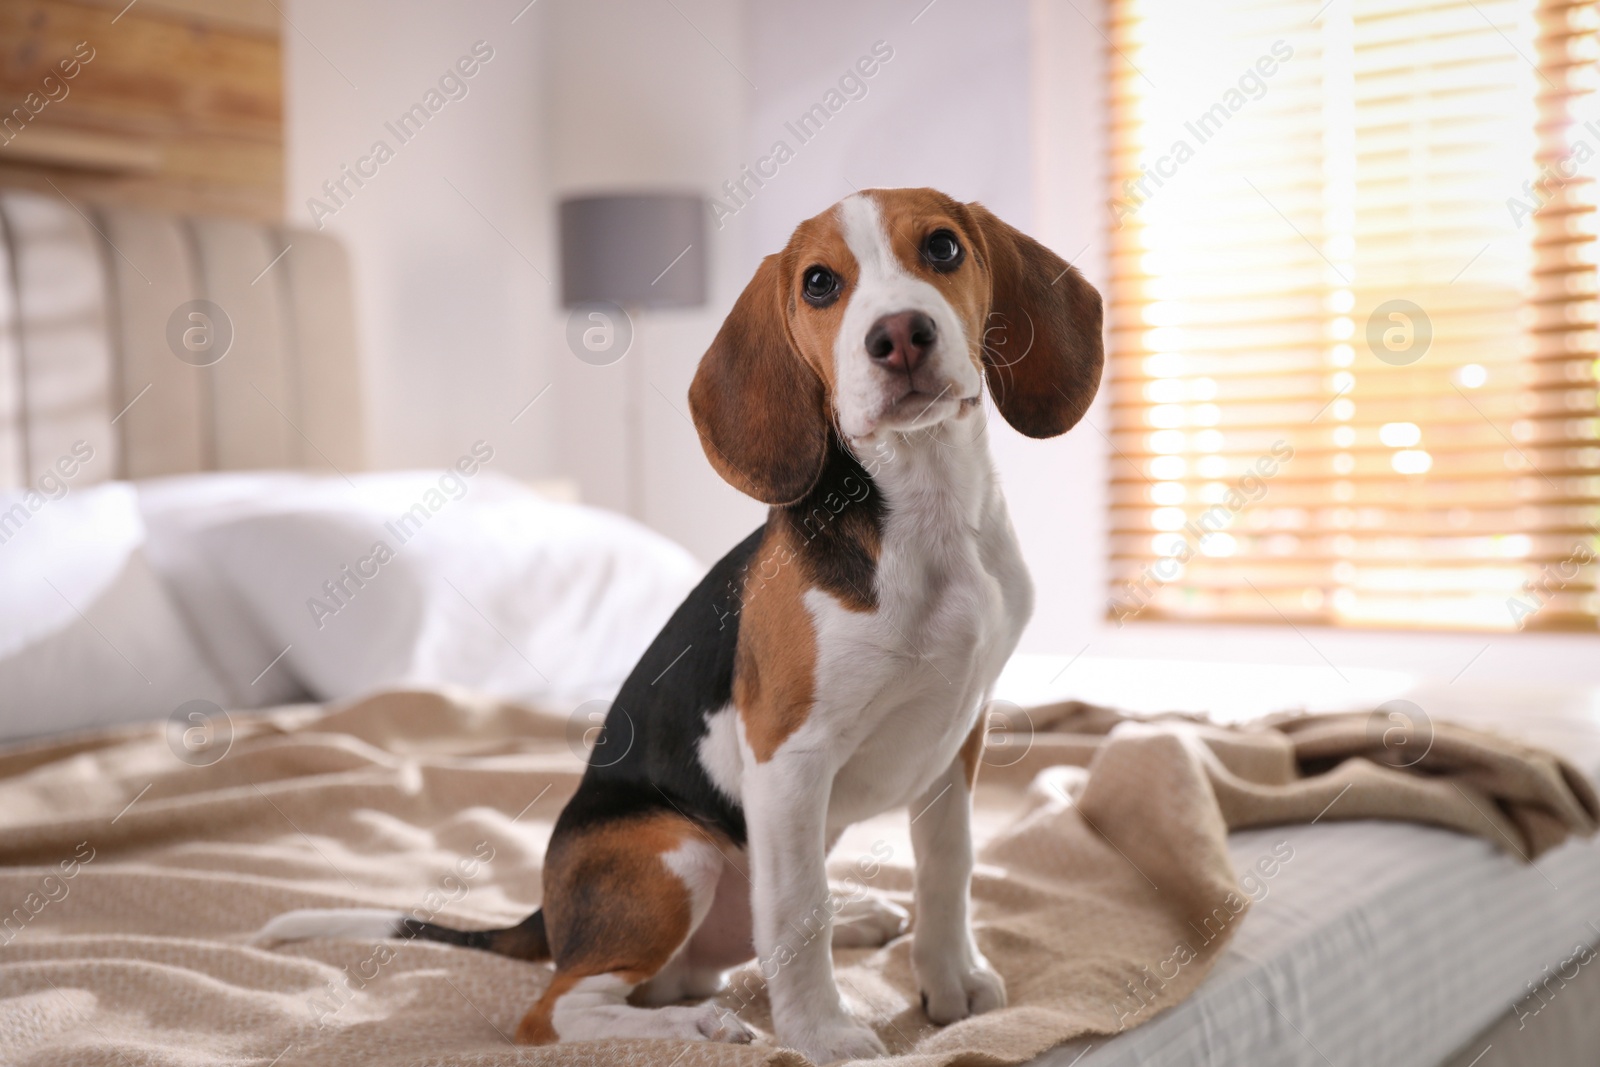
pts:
[901, 341]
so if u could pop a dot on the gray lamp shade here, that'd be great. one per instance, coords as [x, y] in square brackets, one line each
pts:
[636, 250]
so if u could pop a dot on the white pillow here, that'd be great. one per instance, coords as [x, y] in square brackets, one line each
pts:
[434, 579]
[88, 636]
[177, 510]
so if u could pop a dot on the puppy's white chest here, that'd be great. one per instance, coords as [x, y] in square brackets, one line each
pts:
[900, 688]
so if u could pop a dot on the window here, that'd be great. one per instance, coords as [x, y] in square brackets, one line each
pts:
[1352, 312]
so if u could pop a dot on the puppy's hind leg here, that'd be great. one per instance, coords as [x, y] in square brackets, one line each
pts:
[595, 1006]
[622, 900]
[868, 920]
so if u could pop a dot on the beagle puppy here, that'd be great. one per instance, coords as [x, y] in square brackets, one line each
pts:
[833, 665]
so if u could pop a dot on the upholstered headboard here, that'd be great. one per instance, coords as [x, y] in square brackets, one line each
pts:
[99, 343]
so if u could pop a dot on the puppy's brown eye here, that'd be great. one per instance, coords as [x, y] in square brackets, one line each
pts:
[820, 286]
[942, 250]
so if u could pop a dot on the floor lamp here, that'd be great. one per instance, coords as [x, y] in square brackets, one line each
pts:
[622, 255]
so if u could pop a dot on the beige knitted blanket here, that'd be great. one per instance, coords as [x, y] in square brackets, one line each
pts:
[136, 863]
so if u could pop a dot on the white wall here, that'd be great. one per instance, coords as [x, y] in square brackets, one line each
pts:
[950, 109]
[1057, 489]
[648, 95]
[452, 310]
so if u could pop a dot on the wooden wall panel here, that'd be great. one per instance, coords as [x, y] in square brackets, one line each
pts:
[180, 107]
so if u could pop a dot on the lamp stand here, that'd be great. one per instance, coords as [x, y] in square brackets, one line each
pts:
[633, 375]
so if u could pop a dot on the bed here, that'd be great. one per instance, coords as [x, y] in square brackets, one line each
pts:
[183, 541]
[1382, 943]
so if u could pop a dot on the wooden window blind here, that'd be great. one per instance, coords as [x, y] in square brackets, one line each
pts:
[1353, 312]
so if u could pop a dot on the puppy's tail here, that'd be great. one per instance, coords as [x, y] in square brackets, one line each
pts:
[524, 941]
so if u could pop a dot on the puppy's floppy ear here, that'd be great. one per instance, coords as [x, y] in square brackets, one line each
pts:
[760, 408]
[1042, 351]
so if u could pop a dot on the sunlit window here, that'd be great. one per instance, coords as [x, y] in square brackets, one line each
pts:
[1353, 312]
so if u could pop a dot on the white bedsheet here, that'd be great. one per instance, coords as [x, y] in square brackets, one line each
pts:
[1378, 943]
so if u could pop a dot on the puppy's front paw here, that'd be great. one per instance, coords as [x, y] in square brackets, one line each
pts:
[951, 993]
[839, 1039]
